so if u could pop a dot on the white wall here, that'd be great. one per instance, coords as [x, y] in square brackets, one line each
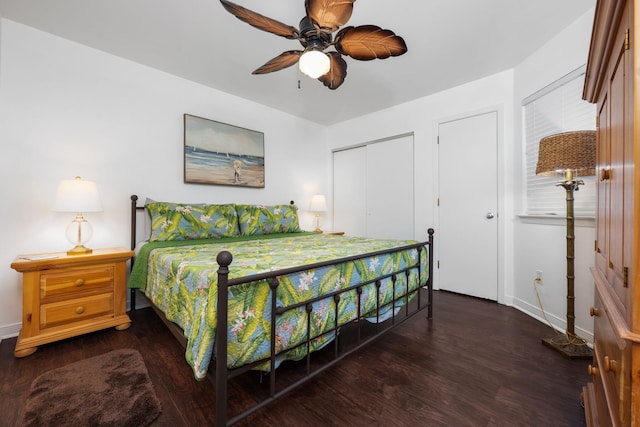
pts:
[421, 117]
[67, 110]
[541, 245]
[526, 246]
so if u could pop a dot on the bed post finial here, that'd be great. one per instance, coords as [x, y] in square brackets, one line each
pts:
[224, 258]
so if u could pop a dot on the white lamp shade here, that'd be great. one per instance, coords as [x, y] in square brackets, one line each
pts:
[314, 63]
[77, 195]
[318, 203]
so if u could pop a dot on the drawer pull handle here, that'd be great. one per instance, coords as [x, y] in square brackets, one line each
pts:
[79, 282]
[594, 312]
[593, 371]
[610, 365]
[605, 174]
[80, 310]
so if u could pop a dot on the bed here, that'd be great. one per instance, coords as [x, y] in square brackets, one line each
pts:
[281, 294]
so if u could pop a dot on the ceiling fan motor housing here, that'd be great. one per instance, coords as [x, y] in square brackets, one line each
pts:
[313, 36]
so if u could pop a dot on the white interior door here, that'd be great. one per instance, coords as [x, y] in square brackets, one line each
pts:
[468, 205]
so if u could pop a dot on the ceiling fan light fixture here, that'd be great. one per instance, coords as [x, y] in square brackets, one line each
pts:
[322, 19]
[314, 63]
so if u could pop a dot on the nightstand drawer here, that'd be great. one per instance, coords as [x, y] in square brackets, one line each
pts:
[75, 310]
[71, 280]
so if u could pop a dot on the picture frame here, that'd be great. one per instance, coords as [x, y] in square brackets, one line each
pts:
[217, 153]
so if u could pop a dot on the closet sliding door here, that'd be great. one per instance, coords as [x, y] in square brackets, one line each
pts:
[349, 191]
[373, 189]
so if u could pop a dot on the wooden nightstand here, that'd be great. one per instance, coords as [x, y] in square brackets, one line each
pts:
[64, 296]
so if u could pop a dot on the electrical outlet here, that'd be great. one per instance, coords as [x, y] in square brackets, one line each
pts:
[539, 276]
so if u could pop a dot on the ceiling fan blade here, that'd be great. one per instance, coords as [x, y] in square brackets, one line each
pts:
[337, 73]
[329, 14]
[261, 22]
[284, 60]
[368, 42]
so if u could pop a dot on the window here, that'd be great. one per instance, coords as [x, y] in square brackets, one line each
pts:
[557, 108]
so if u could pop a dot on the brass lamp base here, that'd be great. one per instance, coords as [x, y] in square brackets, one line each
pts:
[79, 250]
[317, 230]
[576, 348]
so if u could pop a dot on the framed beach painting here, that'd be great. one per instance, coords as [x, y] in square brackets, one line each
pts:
[221, 154]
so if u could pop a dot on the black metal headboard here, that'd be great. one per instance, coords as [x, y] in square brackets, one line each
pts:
[134, 228]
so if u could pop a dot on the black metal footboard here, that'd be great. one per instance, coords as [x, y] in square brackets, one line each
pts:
[415, 301]
[421, 298]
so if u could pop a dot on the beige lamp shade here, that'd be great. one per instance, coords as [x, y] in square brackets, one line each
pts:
[77, 195]
[318, 203]
[568, 151]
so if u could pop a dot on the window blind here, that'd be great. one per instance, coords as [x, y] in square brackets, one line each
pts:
[557, 108]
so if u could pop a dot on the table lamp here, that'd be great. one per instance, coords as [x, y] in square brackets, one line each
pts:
[318, 205]
[79, 196]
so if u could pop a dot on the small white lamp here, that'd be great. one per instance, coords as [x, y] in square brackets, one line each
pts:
[79, 196]
[318, 205]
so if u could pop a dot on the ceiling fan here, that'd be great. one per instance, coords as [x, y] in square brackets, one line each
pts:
[322, 19]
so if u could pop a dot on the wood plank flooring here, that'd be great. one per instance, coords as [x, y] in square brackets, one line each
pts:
[477, 363]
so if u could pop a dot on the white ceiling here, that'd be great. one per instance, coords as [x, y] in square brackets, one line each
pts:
[450, 42]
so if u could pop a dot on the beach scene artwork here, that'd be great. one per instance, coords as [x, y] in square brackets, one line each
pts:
[221, 154]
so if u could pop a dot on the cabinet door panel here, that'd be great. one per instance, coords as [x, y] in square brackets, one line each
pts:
[603, 164]
[617, 134]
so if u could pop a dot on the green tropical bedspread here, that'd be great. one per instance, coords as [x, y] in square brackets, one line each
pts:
[181, 280]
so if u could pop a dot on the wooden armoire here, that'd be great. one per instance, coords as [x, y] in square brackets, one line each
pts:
[613, 82]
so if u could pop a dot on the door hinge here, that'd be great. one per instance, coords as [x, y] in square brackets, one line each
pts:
[595, 245]
[597, 122]
[625, 282]
[626, 39]
[438, 201]
[438, 264]
[438, 140]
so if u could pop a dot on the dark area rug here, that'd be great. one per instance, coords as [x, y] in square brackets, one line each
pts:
[112, 389]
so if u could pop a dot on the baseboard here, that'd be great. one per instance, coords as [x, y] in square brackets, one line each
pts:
[9, 331]
[558, 324]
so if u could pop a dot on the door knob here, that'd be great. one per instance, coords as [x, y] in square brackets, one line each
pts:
[490, 215]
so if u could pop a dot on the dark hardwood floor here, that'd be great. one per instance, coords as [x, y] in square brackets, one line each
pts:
[477, 363]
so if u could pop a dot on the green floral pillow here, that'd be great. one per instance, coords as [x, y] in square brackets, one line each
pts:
[174, 221]
[257, 219]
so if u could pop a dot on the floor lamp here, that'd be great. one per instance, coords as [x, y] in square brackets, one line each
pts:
[568, 154]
